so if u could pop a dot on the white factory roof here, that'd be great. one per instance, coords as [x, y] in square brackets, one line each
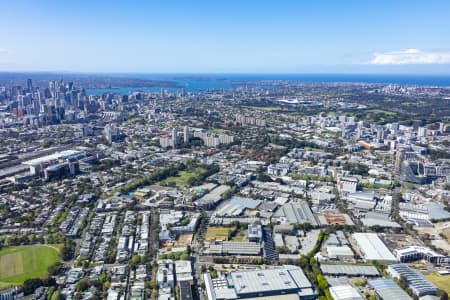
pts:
[247, 282]
[345, 292]
[54, 156]
[373, 248]
[335, 251]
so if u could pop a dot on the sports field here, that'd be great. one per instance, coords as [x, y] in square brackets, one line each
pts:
[23, 262]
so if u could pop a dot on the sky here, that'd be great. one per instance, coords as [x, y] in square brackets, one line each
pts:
[227, 36]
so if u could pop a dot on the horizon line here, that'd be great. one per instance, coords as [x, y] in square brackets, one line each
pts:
[217, 73]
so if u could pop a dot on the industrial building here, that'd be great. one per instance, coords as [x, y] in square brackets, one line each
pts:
[364, 201]
[347, 184]
[414, 280]
[287, 280]
[373, 248]
[295, 213]
[345, 292]
[339, 252]
[386, 289]
[56, 164]
[236, 206]
[210, 200]
[233, 248]
[349, 270]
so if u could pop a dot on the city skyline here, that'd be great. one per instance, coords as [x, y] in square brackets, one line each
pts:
[203, 37]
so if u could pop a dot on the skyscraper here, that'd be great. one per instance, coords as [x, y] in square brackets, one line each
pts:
[174, 137]
[30, 85]
[186, 134]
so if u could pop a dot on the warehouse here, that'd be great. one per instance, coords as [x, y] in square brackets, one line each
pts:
[349, 270]
[260, 283]
[414, 280]
[295, 213]
[233, 248]
[339, 252]
[211, 199]
[386, 289]
[345, 292]
[236, 207]
[372, 248]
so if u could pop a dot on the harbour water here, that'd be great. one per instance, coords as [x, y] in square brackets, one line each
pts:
[202, 82]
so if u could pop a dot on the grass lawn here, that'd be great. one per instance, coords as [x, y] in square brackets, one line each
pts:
[182, 178]
[380, 111]
[446, 232]
[218, 233]
[23, 262]
[314, 149]
[442, 282]
[240, 236]
[219, 130]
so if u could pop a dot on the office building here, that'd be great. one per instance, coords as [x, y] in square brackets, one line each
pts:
[186, 134]
[414, 253]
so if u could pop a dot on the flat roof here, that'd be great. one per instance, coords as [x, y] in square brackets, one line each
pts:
[297, 212]
[288, 278]
[349, 270]
[387, 289]
[54, 156]
[183, 266]
[345, 292]
[372, 247]
[415, 280]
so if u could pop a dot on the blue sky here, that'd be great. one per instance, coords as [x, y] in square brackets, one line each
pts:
[226, 36]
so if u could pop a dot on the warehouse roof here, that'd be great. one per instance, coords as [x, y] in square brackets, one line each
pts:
[387, 289]
[349, 270]
[345, 292]
[416, 282]
[297, 213]
[248, 282]
[372, 247]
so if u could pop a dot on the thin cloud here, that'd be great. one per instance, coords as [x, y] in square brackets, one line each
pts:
[411, 57]
[3, 50]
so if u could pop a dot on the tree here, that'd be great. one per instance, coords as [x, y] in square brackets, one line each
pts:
[322, 282]
[56, 295]
[262, 176]
[185, 256]
[83, 285]
[135, 260]
[68, 250]
[30, 285]
[442, 294]
[106, 285]
[153, 284]
[55, 269]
